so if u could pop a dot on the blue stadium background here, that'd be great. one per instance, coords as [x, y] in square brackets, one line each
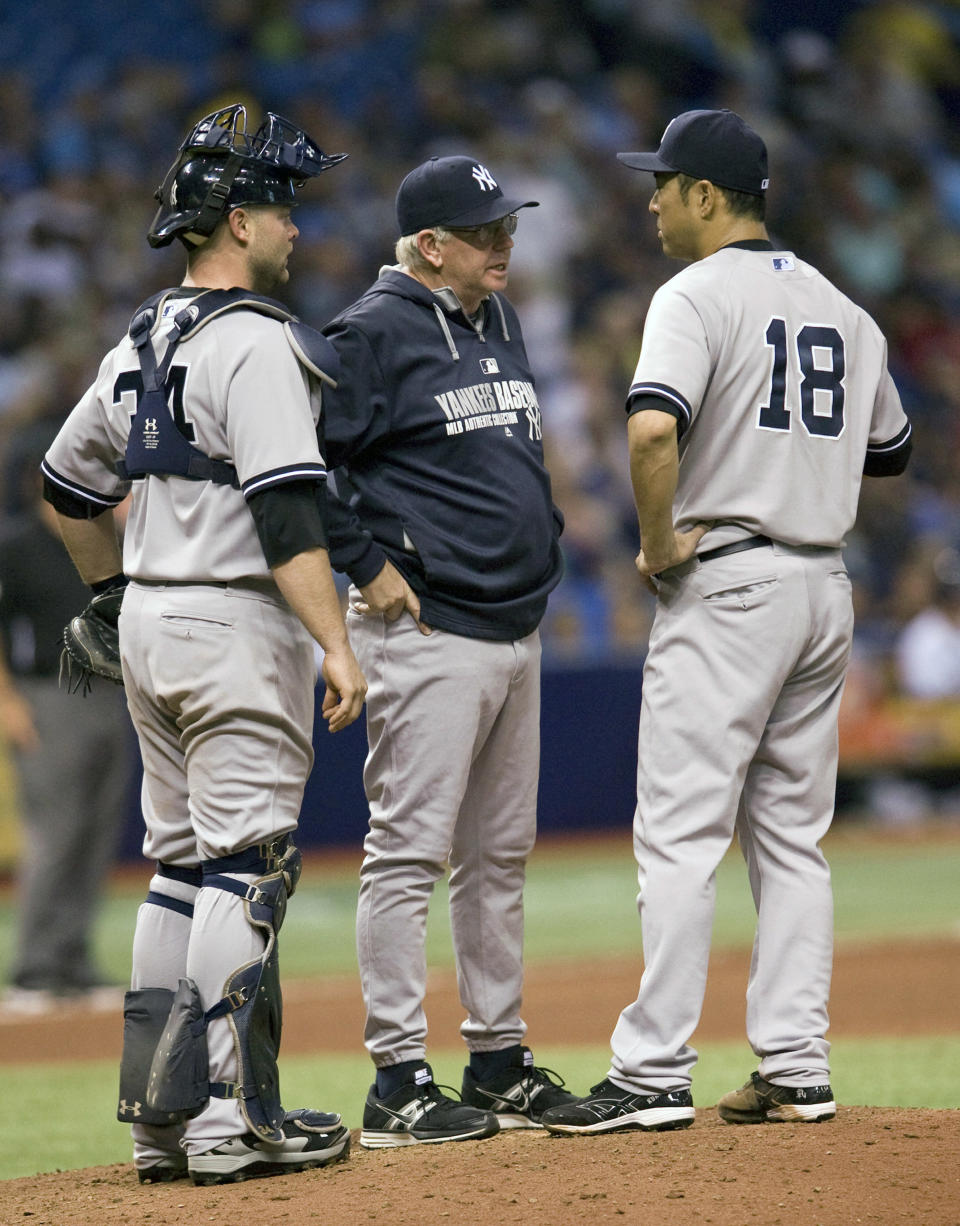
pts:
[859, 103]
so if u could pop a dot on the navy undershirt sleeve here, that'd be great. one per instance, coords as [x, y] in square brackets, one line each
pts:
[289, 519]
[637, 404]
[888, 463]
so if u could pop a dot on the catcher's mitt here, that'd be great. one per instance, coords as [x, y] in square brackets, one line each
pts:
[91, 643]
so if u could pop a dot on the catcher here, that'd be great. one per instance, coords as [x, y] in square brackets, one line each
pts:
[229, 583]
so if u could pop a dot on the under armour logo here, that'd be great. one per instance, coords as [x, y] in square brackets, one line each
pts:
[133, 1108]
[150, 425]
[536, 427]
[484, 178]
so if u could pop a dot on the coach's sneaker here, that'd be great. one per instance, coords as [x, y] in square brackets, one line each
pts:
[418, 1114]
[164, 1170]
[762, 1102]
[311, 1138]
[518, 1094]
[608, 1108]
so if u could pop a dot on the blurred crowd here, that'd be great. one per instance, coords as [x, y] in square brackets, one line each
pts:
[859, 104]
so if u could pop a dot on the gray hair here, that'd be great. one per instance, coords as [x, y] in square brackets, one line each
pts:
[408, 253]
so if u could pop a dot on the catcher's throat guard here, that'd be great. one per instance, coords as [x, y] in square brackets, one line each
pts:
[177, 1083]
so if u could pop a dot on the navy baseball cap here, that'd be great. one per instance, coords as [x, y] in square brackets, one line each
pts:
[452, 191]
[714, 145]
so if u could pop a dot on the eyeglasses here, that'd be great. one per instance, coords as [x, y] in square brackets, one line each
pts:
[490, 230]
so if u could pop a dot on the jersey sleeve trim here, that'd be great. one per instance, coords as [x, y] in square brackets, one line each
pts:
[74, 490]
[676, 404]
[893, 444]
[281, 476]
[889, 459]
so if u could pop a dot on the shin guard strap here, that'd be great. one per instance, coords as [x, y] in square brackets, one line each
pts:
[261, 858]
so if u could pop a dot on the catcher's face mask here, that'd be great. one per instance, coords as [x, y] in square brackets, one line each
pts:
[220, 166]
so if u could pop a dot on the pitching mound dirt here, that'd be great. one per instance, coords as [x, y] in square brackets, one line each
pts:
[874, 1165]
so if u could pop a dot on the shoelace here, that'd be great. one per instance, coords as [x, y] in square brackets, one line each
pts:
[539, 1075]
[434, 1091]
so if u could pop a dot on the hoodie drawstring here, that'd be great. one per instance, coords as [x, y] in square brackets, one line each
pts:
[503, 318]
[446, 332]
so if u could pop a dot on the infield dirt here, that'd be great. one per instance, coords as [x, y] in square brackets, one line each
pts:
[870, 1165]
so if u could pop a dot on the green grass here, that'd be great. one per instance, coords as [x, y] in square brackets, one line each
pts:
[67, 1121]
[579, 902]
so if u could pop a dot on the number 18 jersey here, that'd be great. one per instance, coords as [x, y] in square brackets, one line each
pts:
[780, 386]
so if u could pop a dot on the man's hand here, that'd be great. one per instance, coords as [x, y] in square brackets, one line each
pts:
[654, 467]
[684, 546]
[346, 688]
[390, 594]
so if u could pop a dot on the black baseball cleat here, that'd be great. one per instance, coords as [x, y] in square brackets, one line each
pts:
[310, 1138]
[762, 1102]
[419, 1114]
[608, 1108]
[164, 1170]
[520, 1094]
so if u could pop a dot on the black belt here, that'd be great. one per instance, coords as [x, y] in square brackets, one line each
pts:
[266, 584]
[723, 551]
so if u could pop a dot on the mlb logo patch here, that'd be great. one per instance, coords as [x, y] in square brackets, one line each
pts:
[489, 366]
[783, 263]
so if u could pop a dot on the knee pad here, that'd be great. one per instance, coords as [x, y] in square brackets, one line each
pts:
[145, 1014]
[178, 1085]
[251, 1003]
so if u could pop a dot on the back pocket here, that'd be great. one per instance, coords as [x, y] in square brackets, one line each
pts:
[743, 596]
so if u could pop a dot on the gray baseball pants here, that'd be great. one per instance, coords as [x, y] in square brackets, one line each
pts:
[451, 776]
[72, 793]
[220, 684]
[738, 730]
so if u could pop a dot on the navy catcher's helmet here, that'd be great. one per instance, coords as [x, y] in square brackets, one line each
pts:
[220, 167]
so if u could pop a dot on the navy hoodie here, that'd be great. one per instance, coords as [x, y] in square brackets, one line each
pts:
[434, 438]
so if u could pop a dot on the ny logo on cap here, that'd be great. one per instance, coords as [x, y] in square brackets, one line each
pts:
[484, 178]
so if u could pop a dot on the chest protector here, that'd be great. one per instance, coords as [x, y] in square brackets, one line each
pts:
[155, 445]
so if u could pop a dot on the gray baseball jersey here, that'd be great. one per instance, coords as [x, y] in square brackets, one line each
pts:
[241, 394]
[751, 350]
[781, 390]
[218, 670]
